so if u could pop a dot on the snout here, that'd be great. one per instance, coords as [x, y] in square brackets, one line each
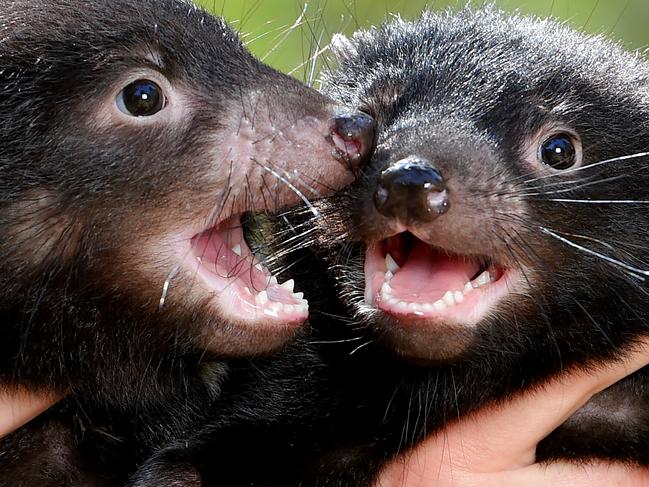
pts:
[412, 191]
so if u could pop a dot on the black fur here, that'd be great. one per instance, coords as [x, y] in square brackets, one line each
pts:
[93, 203]
[469, 92]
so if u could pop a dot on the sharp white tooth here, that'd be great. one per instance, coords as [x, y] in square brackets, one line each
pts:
[259, 267]
[247, 290]
[391, 264]
[237, 250]
[459, 297]
[414, 307]
[289, 285]
[298, 296]
[483, 279]
[388, 276]
[277, 307]
[199, 260]
[439, 305]
[448, 298]
[402, 306]
[427, 308]
[261, 298]
[272, 281]
[386, 290]
[468, 287]
[270, 312]
[393, 301]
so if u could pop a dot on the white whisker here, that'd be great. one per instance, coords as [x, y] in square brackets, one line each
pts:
[165, 287]
[360, 347]
[601, 202]
[589, 166]
[290, 185]
[636, 272]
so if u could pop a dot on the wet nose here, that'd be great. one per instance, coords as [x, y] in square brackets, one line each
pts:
[412, 189]
[353, 137]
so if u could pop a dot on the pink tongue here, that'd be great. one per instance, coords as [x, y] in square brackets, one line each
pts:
[427, 274]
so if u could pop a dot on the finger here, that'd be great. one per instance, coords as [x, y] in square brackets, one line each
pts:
[504, 436]
[409, 474]
[568, 475]
[521, 423]
[20, 408]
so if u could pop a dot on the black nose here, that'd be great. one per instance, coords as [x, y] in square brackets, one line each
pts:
[411, 190]
[353, 137]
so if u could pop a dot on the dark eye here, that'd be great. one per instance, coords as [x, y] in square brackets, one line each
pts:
[559, 151]
[141, 98]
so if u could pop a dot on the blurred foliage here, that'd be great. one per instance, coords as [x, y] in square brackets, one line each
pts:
[287, 33]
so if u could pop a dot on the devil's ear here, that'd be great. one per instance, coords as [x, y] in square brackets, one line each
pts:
[343, 48]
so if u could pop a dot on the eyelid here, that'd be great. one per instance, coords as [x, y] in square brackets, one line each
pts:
[108, 114]
[531, 150]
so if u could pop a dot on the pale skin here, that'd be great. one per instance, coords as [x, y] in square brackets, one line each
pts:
[18, 408]
[496, 446]
[492, 448]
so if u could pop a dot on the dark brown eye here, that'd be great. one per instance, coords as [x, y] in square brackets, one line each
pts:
[559, 151]
[142, 98]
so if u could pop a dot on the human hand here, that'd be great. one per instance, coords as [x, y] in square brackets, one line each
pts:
[18, 408]
[496, 446]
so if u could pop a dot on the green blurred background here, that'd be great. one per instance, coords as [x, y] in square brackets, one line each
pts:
[286, 33]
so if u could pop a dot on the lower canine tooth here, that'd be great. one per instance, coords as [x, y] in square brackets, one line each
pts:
[483, 279]
[237, 250]
[259, 267]
[448, 298]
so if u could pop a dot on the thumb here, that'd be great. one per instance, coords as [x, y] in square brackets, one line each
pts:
[521, 423]
[20, 407]
[503, 437]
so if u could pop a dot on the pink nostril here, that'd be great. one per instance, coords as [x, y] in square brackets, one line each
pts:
[352, 148]
[353, 137]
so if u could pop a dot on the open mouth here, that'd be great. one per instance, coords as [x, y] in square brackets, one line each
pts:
[406, 277]
[244, 289]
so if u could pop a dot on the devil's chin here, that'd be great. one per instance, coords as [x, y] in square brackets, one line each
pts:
[238, 339]
[413, 340]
